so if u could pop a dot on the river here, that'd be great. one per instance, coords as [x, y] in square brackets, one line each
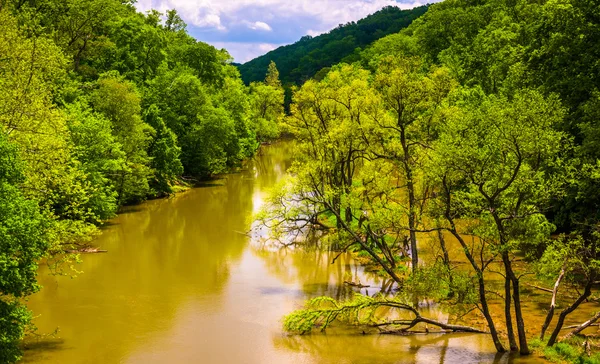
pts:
[181, 283]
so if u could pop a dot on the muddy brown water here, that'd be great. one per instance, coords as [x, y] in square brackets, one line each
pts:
[181, 283]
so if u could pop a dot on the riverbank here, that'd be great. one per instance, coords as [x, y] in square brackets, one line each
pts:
[180, 284]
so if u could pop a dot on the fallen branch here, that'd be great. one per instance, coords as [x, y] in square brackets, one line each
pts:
[540, 288]
[242, 233]
[576, 326]
[358, 285]
[583, 326]
[320, 312]
[419, 319]
[86, 251]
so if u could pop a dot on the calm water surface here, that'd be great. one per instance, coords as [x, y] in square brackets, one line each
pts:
[181, 283]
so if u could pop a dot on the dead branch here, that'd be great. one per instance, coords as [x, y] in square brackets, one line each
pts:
[358, 285]
[420, 319]
[540, 288]
[576, 326]
[550, 314]
[87, 250]
[242, 233]
[583, 326]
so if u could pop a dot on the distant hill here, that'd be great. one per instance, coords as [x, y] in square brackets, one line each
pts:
[302, 60]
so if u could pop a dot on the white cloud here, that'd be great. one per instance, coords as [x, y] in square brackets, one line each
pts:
[314, 33]
[244, 52]
[204, 13]
[259, 25]
[273, 21]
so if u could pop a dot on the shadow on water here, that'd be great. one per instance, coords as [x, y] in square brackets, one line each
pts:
[127, 210]
[208, 184]
[39, 349]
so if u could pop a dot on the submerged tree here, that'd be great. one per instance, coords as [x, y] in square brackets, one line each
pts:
[412, 98]
[492, 166]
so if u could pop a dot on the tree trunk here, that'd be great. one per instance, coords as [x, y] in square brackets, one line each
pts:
[563, 314]
[481, 283]
[446, 257]
[488, 317]
[508, 316]
[412, 218]
[550, 314]
[514, 280]
[412, 221]
[524, 347]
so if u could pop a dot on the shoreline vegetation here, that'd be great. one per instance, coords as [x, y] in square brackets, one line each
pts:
[102, 107]
[460, 157]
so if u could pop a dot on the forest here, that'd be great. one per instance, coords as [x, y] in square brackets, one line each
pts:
[460, 158]
[302, 60]
[100, 107]
[453, 149]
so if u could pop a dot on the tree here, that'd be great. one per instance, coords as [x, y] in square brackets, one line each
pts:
[174, 23]
[29, 120]
[75, 26]
[572, 259]
[164, 152]
[23, 241]
[330, 119]
[206, 133]
[272, 78]
[100, 154]
[491, 164]
[266, 107]
[139, 47]
[411, 98]
[118, 100]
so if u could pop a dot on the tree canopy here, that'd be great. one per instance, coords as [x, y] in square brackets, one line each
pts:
[474, 127]
[102, 106]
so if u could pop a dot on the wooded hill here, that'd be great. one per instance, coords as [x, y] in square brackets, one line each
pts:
[300, 61]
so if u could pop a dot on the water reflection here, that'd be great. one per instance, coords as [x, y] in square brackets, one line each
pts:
[181, 284]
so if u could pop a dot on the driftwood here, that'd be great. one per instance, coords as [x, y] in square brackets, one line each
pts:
[583, 326]
[87, 250]
[420, 319]
[587, 348]
[410, 323]
[540, 288]
[322, 318]
[357, 285]
[242, 233]
[576, 326]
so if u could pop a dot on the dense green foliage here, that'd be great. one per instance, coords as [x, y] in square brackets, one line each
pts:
[501, 47]
[23, 240]
[477, 124]
[101, 106]
[300, 61]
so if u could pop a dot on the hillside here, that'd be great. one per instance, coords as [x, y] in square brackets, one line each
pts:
[302, 60]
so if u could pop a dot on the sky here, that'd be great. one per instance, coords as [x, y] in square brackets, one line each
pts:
[250, 28]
